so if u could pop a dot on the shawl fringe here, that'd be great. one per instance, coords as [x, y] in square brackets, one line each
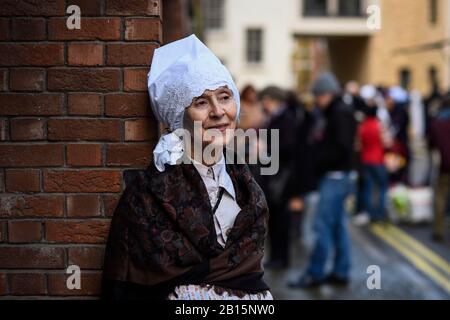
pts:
[232, 292]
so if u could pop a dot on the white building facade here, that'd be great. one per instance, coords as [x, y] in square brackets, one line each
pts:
[260, 40]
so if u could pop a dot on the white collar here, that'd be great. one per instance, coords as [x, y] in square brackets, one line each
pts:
[219, 170]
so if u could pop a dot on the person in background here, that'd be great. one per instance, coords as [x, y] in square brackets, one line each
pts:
[370, 136]
[280, 117]
[252, 114]
[439, 137]
[375, 113]
[334, 162]
[252, 117]
[397, 100]
[302, 180]
[352, 97]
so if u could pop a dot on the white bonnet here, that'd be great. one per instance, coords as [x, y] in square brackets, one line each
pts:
[181, 71]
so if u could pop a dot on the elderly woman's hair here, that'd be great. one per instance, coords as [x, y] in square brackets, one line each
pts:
[274, 93]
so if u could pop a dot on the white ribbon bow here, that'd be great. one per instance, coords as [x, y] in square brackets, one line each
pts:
[169, 149]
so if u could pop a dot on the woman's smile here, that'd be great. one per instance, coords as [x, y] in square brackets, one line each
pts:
[221, 127]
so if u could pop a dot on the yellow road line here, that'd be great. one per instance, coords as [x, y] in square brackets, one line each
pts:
[415, 259]
[419, 248]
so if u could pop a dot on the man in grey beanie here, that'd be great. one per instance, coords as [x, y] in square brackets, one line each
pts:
[334, 162]
[325, 83]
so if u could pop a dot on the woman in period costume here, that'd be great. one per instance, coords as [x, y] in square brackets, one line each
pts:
[190, 229]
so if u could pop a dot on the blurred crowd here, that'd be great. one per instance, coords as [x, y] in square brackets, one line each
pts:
[340, 140]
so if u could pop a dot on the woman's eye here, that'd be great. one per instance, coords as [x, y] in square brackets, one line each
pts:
[201, 103]
[226, 97]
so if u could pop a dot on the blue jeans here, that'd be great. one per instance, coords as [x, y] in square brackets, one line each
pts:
[375, 176]
[330, 228]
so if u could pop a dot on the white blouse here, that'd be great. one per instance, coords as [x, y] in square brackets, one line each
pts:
[214, 177]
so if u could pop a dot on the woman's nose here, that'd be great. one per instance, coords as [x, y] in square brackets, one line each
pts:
[216, 109]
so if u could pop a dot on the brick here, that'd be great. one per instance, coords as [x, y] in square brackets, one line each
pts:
[3, 131]
[84, 155]
[28, 29]
[83, 79]
[21, 155]
[135, 79]
[110, 202]
[85, 54]
[90, 284]
[26, 54]
[89, 7]
[129, 154]
[91, 29]
[22, 180]
[133, 7]
[33, 8]
[3, 284]
[3, 237]
[82, 181]
[85, 104]
[140, 130]
[83, 205]
[15, 206]
[26, 79]
[3, 81]
[27, 129]
[18, 104]
[77, 231]
[4, 29]
[131, 54]
[27, 284]
[127, 105]
[31, 257]
[87, 257]
[24, 231]
[144, 29]
[84, 129]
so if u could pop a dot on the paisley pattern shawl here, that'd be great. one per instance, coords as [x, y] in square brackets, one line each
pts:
[162, 230]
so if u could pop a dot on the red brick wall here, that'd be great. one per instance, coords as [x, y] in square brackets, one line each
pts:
[75, 124]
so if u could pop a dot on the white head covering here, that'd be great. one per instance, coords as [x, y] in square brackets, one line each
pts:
[398, 94]
[181, 71]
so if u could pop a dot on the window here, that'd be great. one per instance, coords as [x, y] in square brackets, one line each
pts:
[214, 13]
[433, 4]
[405, 78]
[349, 8]
[254, 45]
[314, 8]
[432, 73]
[433, 77]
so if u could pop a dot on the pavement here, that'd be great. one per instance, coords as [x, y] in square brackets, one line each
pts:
[411, 266]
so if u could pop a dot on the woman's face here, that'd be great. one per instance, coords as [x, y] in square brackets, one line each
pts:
[214, 109]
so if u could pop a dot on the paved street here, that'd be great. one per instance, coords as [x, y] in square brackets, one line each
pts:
[412, 266]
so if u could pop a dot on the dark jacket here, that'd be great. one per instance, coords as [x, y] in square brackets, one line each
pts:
[336, 149]
[303, 178]
[274, 186]
[440, 137]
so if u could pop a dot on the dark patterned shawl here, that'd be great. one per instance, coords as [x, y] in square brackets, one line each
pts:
[162, 235]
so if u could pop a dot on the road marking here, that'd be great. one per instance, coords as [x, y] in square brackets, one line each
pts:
[420, 248]
[419, 262]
